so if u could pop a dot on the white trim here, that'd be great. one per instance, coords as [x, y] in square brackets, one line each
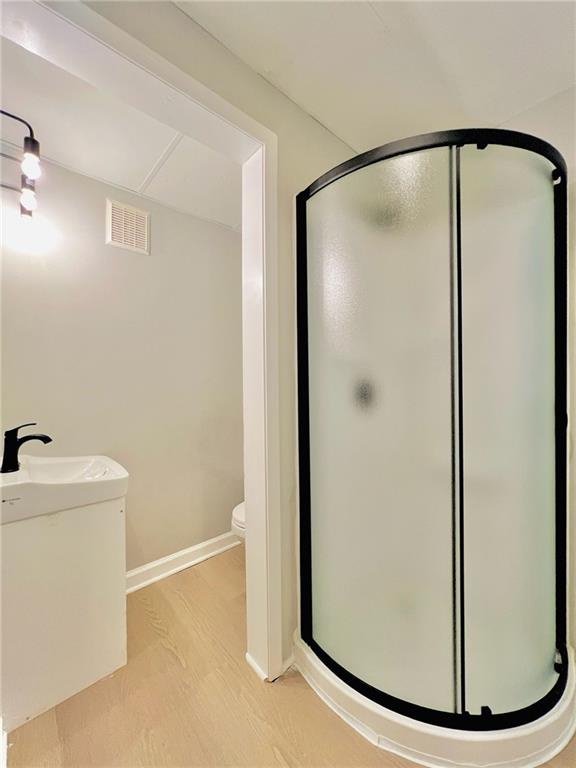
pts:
[526, 746]
[147, 574]
[3, 746]
[288, 663]
[259, 671]
[80, 41]
[261, 439]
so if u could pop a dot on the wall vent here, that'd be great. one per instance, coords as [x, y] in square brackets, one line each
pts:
[127, 227]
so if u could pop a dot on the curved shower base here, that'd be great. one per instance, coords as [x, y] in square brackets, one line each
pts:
[525, 746]
[432, 407]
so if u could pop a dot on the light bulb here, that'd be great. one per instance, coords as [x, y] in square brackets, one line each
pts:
[28, 200]
[31, 166]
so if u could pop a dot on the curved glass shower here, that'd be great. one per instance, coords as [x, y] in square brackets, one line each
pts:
[432, 425]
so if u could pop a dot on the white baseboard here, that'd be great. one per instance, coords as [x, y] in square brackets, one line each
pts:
[260, 672]
[256, 667]
[3, 746]
[166, 566]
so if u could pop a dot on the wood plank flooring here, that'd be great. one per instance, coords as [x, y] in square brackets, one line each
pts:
[187, 698]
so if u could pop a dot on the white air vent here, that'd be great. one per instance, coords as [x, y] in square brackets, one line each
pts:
[127, 227]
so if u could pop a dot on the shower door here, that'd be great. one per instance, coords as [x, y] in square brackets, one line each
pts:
[508, 452]
[431, 366]
[380, 425]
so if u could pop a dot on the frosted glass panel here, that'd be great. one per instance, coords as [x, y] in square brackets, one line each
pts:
[380, 425]
[508, 399]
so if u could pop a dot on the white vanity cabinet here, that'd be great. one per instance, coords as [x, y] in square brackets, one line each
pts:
[63, 594]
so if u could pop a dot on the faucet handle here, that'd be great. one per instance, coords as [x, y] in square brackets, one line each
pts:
[15, 429]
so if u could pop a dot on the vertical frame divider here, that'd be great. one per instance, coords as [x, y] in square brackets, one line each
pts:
[560, 181]
[305, 522]
[457, 431]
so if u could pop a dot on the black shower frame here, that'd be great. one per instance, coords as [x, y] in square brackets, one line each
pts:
[481, 137]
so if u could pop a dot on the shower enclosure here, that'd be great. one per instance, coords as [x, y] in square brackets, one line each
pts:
[432, 286]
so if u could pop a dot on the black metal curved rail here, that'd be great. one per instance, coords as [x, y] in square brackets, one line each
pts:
[455, 138]
[481, 137]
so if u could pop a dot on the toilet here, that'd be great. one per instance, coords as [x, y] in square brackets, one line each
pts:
[239, 520]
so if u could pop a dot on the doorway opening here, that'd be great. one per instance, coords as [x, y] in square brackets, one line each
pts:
[82, 44]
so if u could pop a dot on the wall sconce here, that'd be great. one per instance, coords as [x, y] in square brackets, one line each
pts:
[30, 166]
[28, 202]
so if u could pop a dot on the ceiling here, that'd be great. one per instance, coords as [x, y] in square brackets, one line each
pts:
[372, 72]
[90, 132]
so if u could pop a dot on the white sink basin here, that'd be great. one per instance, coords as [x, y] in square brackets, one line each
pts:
[45, 485]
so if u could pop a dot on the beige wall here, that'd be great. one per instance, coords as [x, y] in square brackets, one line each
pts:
[305, 150]
[137, 357]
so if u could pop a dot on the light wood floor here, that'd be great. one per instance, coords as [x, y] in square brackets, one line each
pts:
[188, 698]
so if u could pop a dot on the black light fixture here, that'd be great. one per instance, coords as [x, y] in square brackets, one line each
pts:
[30, 166]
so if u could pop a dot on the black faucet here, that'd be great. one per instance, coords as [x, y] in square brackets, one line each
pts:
[13, 443]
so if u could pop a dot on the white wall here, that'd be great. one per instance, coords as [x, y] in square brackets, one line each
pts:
[305, 150]
[134, 356]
